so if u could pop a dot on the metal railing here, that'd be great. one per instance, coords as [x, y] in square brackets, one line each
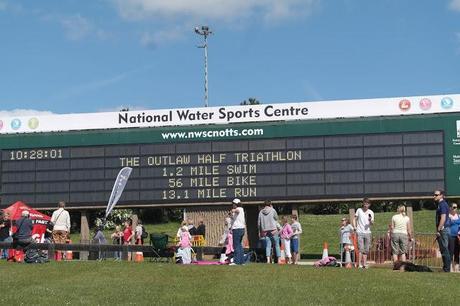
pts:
[422, 250]
[78, 248]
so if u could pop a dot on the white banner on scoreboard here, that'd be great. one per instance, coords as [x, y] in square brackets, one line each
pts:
[233, 114]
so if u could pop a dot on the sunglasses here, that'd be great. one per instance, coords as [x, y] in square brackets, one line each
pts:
[436, 194]
[454, 207]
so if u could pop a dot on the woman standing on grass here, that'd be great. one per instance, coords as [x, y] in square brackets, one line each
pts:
[286, 234]
[400, 234]
[453, 237]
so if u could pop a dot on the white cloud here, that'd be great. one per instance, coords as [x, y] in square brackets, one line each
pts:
[229, 10]
[24, 112]
[179, 16]
[14, 7]
[3, 5]
[76, 27]
[161, 37]
[454, 5]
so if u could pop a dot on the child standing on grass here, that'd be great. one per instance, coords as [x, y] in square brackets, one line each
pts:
[285, 234]
[117, 238]
[185, 245]
[346, 230]
[297, 230]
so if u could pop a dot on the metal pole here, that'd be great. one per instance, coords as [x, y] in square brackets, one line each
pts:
[205, 31]
[206, 70]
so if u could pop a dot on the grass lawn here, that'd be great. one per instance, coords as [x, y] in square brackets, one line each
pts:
[316, 229]
[104, 283]
[320, 228]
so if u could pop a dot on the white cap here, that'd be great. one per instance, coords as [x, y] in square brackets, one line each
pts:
[236, 201]
[25, 213]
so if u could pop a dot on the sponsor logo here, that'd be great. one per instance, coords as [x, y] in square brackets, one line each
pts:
[15, 124]
[425, 104]
[33, 123]
[1, 124]
[404, 105]
[447, 102]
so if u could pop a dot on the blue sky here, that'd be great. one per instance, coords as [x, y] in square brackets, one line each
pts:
[72, 56]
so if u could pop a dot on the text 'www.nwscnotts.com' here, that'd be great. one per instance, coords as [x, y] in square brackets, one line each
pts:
[228, 132]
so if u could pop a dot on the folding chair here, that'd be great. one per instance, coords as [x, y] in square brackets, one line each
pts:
[161, 251]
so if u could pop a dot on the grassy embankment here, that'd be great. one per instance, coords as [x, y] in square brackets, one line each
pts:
[317, 229]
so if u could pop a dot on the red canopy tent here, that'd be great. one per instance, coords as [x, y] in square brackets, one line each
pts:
[39, 220]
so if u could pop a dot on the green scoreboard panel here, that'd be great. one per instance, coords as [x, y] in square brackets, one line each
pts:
[397, 157]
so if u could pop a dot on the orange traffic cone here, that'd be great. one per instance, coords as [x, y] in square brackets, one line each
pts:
[282, 259]
[69, 253]
[325, 251]
[139, 257]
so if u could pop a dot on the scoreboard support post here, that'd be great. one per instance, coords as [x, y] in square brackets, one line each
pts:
[252, 232]
[84, 232]
[134, 219]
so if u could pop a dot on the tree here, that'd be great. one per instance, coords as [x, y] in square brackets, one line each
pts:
[250, 101]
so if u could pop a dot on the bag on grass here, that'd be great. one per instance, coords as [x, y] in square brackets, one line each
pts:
[34, 256]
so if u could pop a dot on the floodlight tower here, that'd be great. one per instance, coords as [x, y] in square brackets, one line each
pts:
[205, 32]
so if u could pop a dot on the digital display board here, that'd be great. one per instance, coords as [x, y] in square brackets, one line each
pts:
[216, 171]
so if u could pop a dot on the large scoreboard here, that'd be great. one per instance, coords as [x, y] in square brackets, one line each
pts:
[299, 161]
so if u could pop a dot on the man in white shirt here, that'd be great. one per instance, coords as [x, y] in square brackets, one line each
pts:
[364, 218]
[61, 228]
[238, 227]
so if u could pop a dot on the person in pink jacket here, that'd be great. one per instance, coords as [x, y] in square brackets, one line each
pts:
[285, 234]
[185, 246]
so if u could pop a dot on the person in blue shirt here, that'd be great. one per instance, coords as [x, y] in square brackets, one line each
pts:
[453, 237]
[443, 228]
